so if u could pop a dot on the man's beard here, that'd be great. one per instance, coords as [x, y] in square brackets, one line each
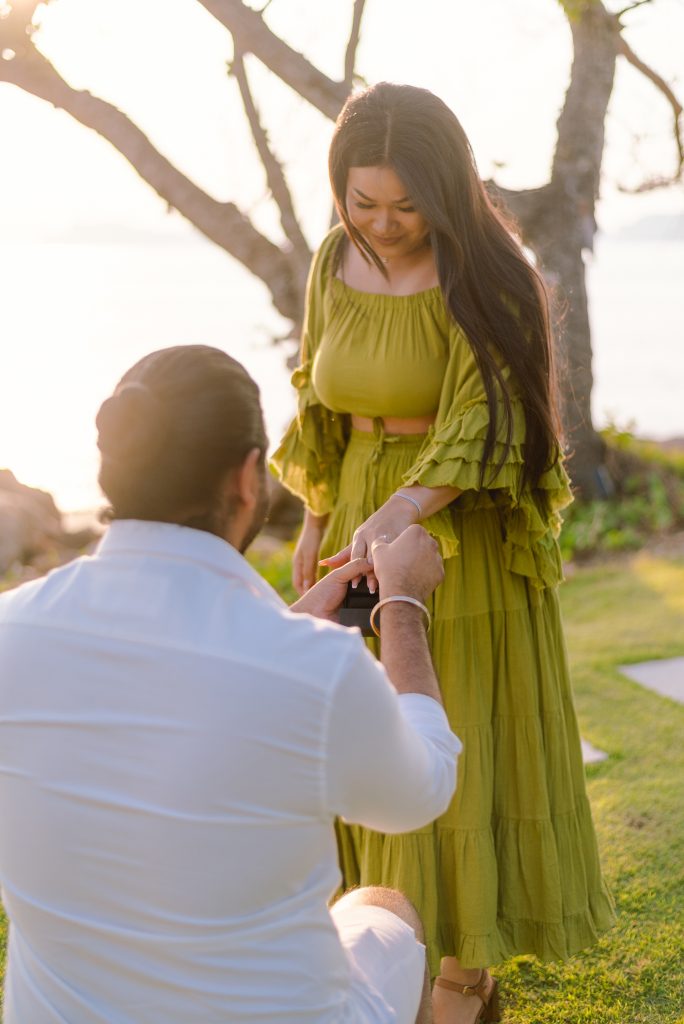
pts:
[260, 512]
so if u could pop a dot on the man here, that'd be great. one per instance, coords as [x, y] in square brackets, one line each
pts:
[175, 744]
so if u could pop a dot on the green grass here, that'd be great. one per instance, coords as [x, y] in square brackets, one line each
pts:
[276, 567]
[627, 611]
[614, 615]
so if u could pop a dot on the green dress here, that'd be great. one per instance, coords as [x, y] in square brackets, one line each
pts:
[512, 867]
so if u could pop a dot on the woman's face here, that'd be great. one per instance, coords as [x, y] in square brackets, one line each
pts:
[380, 208]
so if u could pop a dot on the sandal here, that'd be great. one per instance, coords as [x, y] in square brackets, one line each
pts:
[490, 1000]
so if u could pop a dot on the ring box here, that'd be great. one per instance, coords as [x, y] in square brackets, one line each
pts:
[357, 607]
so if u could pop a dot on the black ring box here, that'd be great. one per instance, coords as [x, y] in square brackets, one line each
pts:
[357, 607]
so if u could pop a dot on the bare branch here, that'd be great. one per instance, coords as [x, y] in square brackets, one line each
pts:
[631, 7]
[626, 51]
[353, 43]
[526, 211]
[649, 185]
[16, 26]
[223, 223]
[275, 175]
[252, 35]
[525, 206]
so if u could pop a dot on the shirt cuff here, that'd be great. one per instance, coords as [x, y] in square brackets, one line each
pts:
[427, 716]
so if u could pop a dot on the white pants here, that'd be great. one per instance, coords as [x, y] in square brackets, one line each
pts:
[387, 964]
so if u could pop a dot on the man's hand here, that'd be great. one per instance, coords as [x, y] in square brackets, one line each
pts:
[390, 520]
[410, 565]
[324, 599]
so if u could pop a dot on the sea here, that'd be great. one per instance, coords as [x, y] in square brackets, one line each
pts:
[74, 315]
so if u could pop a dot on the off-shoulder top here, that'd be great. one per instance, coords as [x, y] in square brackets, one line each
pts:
[402, 376]
[404, 356]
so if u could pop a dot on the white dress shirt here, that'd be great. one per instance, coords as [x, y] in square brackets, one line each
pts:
[174, 746]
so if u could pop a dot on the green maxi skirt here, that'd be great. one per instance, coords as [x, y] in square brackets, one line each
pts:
[512, 867]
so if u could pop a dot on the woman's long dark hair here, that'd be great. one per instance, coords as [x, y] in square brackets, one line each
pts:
[489, 287]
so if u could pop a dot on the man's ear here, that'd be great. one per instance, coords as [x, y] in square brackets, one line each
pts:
[247, 479]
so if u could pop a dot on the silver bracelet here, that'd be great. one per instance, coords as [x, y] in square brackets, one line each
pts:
[406, 600]
[408, 497]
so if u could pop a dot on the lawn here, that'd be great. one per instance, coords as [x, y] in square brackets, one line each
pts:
[624, 611]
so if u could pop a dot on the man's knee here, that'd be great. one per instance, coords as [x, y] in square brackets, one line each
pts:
[389, 899]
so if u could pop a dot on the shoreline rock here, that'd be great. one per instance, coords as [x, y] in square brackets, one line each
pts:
[33, 530]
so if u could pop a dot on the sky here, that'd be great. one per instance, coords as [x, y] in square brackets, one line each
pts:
[502, 66]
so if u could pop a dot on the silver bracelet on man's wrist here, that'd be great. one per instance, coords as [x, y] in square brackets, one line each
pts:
[396, 598]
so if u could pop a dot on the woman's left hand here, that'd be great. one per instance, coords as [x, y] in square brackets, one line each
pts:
[385, 525]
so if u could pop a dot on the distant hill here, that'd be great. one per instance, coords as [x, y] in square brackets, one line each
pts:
[657, 227]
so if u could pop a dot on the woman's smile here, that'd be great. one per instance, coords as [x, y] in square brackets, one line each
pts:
[386, 241]
[380, 208]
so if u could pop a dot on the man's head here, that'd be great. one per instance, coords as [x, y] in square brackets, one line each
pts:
[182, 440]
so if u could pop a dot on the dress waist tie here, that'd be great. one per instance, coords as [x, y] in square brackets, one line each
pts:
[380, 440]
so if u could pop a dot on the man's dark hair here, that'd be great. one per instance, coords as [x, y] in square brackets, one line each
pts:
[178, 421]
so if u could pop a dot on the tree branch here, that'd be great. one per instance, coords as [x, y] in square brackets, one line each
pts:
[526, 207]
[252, 35]
[352, 44]
[16, 25]
[631, 7]
[275, 175]
[626, 51]
[223, 223]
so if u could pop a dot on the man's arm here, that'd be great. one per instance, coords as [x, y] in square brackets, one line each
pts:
[410, 567]
[391, 759]
[405, 652]
[391, 753]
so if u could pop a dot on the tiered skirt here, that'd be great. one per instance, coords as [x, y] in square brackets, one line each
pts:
[513, 866]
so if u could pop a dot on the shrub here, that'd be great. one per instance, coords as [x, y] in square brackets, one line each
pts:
[648, 499]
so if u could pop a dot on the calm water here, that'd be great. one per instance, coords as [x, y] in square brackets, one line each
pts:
[636, 292]
[75, 316]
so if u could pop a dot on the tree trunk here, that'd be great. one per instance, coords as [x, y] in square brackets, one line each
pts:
[557, 223]
[575, 181]
[560, 248]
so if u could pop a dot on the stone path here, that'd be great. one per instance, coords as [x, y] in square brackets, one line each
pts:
[665, 677]
[591, 754]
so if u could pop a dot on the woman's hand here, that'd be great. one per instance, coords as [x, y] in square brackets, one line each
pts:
[384, 526]
[305, 558]
[324, 599]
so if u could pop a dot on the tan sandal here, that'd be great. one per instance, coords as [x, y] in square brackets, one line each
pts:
[490, 1000]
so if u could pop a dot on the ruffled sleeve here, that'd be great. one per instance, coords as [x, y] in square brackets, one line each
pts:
[309, 457]
[452, 456]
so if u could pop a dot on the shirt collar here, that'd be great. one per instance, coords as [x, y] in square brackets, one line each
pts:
[168, 540]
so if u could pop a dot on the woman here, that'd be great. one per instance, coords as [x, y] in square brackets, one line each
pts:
[426, 394]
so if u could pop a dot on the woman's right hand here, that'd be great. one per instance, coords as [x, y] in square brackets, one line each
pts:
[305, 558]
